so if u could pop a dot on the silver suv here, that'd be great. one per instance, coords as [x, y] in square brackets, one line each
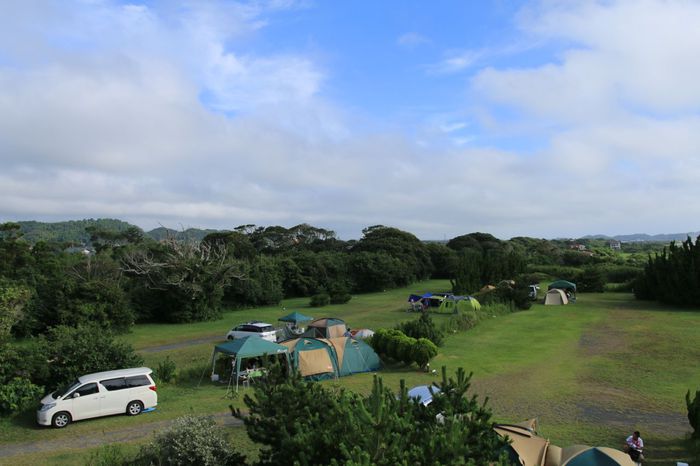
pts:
[258, 329]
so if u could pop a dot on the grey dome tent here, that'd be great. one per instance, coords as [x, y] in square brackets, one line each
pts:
[555, 297]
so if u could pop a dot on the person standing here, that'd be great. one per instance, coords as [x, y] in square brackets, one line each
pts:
[635, 445]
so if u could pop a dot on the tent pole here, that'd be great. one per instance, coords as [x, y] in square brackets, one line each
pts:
[238, 371]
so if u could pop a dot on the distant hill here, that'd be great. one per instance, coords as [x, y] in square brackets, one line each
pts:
[71, 231]
[196, 234]
[664, 237]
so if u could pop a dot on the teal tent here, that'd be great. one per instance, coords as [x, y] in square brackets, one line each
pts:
[248, 347]
[562, 285]
[295, 318]
[355, 356]
[325, 358]
[314, 358]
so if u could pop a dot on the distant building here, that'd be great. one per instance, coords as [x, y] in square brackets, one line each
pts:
[578, 247]
[615, 245]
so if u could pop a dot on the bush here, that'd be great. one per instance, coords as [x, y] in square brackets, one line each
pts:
[165, 372]
[109, 455]
[17, 395]
[694, 413]
[190, 441]
[591, 279]
[320, 300]
[341, 298]
[82, 350]
[401, 348]
[423, 327]
[423, 351]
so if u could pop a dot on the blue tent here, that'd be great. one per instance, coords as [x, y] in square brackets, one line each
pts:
[423, 393]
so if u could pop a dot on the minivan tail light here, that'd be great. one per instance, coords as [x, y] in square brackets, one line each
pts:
[152, 387]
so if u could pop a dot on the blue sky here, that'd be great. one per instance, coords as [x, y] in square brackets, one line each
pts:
[544, 118]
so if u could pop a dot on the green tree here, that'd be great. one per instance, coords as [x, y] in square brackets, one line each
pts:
[181, 281]
[13, 299]
[297, 422]
[75, 351]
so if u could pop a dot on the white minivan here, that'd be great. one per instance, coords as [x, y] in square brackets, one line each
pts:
[124, 391]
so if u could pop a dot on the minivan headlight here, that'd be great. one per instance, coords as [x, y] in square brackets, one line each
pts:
[47, 406]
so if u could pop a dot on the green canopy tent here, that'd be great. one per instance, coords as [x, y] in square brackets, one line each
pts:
[248, 347]
[295, 318]
[568, 287]
[562, 285]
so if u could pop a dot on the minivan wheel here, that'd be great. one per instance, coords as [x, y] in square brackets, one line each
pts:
[134, 408]
[61, 419]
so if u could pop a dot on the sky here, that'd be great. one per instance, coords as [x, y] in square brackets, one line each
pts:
[539, 118]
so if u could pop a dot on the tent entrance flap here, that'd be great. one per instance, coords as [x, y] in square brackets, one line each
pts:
[312, 362]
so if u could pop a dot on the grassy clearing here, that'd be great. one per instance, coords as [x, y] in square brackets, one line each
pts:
[592, 372]
[372, 310]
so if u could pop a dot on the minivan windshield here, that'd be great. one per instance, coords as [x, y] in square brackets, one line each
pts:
[63, 391]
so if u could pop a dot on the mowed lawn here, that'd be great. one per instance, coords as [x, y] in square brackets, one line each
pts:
[591, 372]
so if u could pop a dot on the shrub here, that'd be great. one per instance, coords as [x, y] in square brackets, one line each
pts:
[18, 395]
[423, 351]
[401, 348]
[320, 300]
[75, 351]
[694, 413]
[109, 455]
[165, 372]
[190, 441]
[423, 327]
[340, 298]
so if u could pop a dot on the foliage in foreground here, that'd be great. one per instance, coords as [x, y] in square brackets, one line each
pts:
[298, 422]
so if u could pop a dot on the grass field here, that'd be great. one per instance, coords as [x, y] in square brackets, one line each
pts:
[591, 372]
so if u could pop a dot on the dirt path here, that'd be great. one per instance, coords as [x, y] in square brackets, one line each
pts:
[97, 439]
[182, 344]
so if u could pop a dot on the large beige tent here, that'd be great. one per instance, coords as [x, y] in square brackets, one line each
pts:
[529, 449]
[555, 297]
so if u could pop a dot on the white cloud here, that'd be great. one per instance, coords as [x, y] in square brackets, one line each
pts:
[455, 61]
[412, 39]
[163, 115]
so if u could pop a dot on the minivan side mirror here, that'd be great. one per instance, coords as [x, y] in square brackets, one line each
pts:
[76, 395]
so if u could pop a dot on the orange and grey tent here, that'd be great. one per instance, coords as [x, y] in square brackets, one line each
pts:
[313, 358]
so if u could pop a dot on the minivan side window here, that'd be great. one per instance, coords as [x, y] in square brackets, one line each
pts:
[137, 381]
[87, 389]
[114, 384]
